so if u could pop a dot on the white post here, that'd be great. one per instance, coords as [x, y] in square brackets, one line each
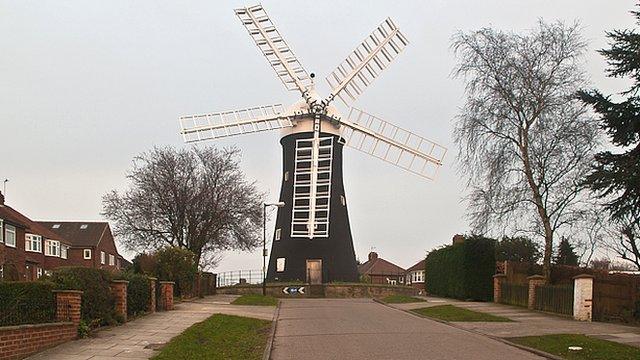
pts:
[583, 297]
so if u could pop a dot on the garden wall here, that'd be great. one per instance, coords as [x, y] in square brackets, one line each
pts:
[18, 342]
[327, 290]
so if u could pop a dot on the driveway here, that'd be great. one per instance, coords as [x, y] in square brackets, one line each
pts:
[363, 329]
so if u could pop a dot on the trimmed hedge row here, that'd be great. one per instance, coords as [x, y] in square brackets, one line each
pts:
[26, 303]
[97, 300]
[462, 271]
[138, 293]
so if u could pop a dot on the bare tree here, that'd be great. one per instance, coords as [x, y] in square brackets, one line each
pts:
[197, 199]
[525, 142]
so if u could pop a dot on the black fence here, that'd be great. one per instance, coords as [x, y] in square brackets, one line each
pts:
[515, 294]
[237, 277]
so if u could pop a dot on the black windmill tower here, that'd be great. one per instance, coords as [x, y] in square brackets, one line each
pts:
[312, 240]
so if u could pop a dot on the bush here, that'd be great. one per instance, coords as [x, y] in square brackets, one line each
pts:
[462, 271]
[138, 293]
[177, 265]
[97, 301]
[26, 303]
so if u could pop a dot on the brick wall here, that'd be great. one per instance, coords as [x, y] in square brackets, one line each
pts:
[18, 342]
[330, 290]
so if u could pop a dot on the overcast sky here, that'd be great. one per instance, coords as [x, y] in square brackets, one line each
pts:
[87, 85]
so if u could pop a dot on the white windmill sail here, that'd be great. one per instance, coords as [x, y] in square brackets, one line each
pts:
[366, 62]
[234, 122]
[274, 48]
[400, 147]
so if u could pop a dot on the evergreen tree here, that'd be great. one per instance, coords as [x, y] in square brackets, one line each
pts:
[521, 249]
[566, 254]
[615, 177]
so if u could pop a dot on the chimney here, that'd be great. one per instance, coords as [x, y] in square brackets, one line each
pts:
[1, 199]
[373, 255]
[458, 239]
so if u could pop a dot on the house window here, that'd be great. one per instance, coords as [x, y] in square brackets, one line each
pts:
[52, 248]
[280, 265]
[112, 260]
[417, 276]
[343, 201]
[10, 235]
[83, 227]
[103, 258]
[86, 254]
[64, 250]
[277, 235]
[1, 231]
[286, 176]
[118, 263]
[39, 272]
[33, 243]
[56, 226]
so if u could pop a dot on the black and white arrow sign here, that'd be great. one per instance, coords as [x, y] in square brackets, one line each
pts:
[293, 290]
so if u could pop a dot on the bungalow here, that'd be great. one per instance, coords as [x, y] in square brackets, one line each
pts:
[415, 275]
[28, 249]
[92, 243]
[381, 271]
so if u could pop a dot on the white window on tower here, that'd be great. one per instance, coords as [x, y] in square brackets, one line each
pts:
[1, 231]
[103, 257]
[112, 260]
[277, 234]
[86, 254]
[10, 235]
[286, 176]
[280, 265]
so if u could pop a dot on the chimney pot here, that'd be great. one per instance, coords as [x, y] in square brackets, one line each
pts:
[373, 255]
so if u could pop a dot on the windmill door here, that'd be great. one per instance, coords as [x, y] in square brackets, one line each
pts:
[314, 271]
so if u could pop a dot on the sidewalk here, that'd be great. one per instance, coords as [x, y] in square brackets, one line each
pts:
[140, 338]
[529, 323]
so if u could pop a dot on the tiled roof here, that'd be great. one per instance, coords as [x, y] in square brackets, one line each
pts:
[378, 266]
[420, 265]
[80, 233]
[13, 216]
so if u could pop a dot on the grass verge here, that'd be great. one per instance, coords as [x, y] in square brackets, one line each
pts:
[592, 348]
[454, 313]
[254, 299]
[220, 337]
[401, 299]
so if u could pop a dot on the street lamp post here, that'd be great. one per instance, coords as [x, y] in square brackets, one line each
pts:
[264, 243]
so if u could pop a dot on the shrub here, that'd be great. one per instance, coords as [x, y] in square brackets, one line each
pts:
[462, 271]
[26, 303]
[138, 293]
[177, 265]
[97, 301]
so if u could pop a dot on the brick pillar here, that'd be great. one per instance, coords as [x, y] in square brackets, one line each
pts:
[68, 303]
[534, 281]
[214, 284]
[498, 281]
[197, 288]
[151, 307]
[119, 291]
[583, 297]
[166, 295]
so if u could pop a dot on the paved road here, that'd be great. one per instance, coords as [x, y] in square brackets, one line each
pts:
[362, 329]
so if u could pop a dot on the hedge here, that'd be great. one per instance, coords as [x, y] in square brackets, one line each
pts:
[26, 303]
[97, 300]
[462, 271]
[138, 293]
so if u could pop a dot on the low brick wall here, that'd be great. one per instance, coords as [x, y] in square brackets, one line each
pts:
[330, 290]
[18, 342]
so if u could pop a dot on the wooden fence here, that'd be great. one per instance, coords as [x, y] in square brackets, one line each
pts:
[515, 294]
[616, 297]
[554, 298]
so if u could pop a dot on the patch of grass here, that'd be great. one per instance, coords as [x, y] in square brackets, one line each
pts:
[454, 313]
[254, 299]
[592, 348]
[219, 337]
[401, 299]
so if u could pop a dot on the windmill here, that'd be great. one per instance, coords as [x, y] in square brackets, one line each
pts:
[312, 240]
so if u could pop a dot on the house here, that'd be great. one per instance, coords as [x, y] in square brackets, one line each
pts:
[381, 271]
[415, 275]
[92, 243]
[28, 249]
